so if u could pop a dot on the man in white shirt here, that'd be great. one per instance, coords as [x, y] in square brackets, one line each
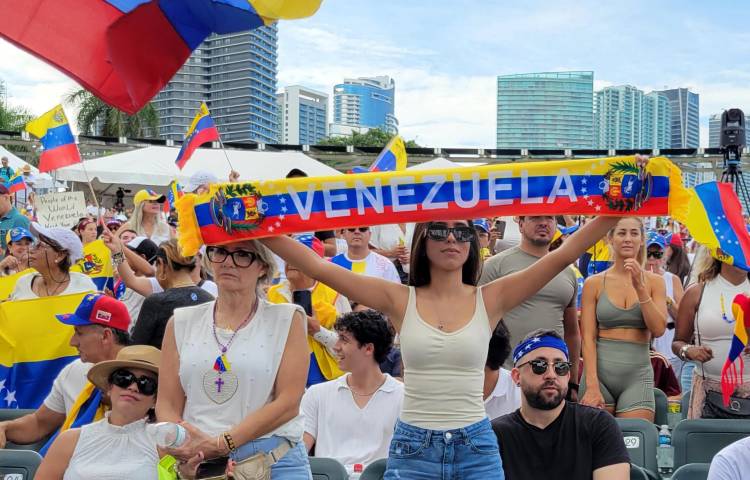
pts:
[352, 418]
[501, 394]
[732, 462]
[100, 331]
[360, 259]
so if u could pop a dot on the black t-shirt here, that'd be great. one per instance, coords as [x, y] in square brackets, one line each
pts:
[581, 440]
[157, 310]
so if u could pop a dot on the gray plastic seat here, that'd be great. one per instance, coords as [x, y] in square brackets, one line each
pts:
[375, 470]
[641, 439]
[697, 441]
[692, 471]
[662, 405]
[13, 413]
[19, 462]
[327, 469]
[684, 404]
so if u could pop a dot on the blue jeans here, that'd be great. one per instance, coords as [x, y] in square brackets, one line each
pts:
[292, 466]
[686, 377]
[464, 453]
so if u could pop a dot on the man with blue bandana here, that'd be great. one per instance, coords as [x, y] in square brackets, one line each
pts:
[551, 438]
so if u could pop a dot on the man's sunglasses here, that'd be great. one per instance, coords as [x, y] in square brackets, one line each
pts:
[656, 254]
[440, 233]
[539, 366]
[361, 229]
[241, 258]
[125, 378]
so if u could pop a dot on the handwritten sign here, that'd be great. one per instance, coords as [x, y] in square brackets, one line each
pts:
[60, 209]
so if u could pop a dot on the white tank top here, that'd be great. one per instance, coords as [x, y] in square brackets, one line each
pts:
[663, 344]
[107, 452]
[444, 372]
[254, 357]
[715, 332]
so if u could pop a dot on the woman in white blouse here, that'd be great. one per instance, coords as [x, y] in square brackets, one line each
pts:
[116, 447]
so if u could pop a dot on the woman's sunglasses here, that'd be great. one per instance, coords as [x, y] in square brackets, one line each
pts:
[440, 233]
[539, 366]
[655, 253]
[125, 378]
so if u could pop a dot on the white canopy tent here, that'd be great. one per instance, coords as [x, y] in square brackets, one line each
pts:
[442, 162]
[41, 180]
[154, 167]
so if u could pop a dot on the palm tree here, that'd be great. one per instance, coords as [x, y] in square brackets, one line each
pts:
[93, 113]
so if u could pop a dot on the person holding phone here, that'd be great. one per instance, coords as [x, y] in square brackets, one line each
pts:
[322, 304]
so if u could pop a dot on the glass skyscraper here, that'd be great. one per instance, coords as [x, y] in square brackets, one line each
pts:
[685, 117]
[545, 110]
[366, 102]
[625, 117]
[303, 115]
[235, 74]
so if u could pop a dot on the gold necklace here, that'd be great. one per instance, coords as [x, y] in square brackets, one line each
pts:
[366, 394]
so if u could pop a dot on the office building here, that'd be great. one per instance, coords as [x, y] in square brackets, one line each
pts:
[303, 115]
[685, 111]
[365, 102]
[627, 118]
[552, 110]
[235, 74]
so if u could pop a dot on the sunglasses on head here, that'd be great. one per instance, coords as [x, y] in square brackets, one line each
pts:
[539, 366]
[655, 253]
[125, 378]
[440, 233]
[361, 229]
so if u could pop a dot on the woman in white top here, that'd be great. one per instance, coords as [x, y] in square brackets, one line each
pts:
[705, 315]
[234, 369]
[655, 259]
[54, 252]
[445, 323]
[147, 219]
[118, 446]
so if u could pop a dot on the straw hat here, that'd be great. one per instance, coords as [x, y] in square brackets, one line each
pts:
[144, 357]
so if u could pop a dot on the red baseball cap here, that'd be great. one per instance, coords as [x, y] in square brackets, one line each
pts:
[99, 309]
[676, 240]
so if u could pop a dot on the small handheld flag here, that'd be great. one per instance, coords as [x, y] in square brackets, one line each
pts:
[731, 376]
[59, 146]
[202, 130]
[391, 158]
[16, 184]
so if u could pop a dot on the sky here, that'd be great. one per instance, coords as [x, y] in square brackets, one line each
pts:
[445, 56]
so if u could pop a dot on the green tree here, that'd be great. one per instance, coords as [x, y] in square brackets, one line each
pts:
[374, 137]
[93, 113]
[12, 117]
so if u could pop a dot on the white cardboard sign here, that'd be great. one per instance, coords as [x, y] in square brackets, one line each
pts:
[60, 209]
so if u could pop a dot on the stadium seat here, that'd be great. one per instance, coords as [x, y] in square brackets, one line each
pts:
[327, 469]
[697, 441]
[692, 471]
[637, 473]
[19, 464]
[684, 404]
[374, 471]
[660, 415]
[640, 438]
[11, 414]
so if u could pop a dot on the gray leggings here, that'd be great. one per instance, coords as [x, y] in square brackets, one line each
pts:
[626, 378]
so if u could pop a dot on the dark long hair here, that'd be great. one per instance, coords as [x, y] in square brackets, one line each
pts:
[419, 266]
[679, 264]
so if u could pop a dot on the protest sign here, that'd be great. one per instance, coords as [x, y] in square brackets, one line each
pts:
[60, 209]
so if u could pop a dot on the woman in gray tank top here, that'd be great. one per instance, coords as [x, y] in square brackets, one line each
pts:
[622, 308]
[449, 435]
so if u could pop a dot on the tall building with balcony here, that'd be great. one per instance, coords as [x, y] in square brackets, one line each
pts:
[685, 112]
[235, 74]
[627, 118]
[550, 110]
[364, 103]
[303, 115]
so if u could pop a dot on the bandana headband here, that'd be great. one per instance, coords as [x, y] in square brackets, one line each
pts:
[538, 342]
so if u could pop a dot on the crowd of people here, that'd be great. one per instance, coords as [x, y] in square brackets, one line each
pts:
[447, 347]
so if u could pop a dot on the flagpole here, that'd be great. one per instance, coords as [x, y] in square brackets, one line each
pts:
[91, 189]
[226, 155]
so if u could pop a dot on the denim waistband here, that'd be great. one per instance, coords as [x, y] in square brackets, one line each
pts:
[456, 434]
[252, 447]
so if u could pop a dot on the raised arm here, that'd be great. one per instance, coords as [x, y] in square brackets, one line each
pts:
[506, 293]
[382, 295]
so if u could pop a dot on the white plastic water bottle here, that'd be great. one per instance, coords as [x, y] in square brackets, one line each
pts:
[665, 453]
[167, 434]
[355, 470]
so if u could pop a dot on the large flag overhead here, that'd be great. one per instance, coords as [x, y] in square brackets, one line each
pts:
[59, 146]
[202, 130]
[125, 51]
[34, 347]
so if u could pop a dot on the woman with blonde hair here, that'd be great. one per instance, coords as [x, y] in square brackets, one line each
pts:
[623, 308]
[704, 331]
[147, 219]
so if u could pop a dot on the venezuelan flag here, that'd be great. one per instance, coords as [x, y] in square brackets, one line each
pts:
[59, 146]
[201, 131]
[731, 376]
[392, 158]
[714, 219]
[16, 184]
[87, 408]
[7, 284]
[600, 258]
[97, 264]
[34, 347]
[174, 192]
[125, 51]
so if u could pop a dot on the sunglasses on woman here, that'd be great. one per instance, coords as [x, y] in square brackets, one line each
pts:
[440, 233]
[241, 258]
[361, 229]
[125, 378]
[655, 253]
[539, 366]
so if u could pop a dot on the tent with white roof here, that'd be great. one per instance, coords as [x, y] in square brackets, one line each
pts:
[442, 162]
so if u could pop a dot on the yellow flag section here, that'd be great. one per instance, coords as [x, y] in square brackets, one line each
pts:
[97, 264]
[7, 284]
[34, 347]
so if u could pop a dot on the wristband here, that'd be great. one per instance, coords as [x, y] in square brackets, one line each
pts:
[118, 258]
[645, 301]
[229, 442]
